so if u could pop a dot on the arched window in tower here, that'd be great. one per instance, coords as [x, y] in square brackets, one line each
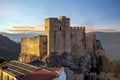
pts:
[60, 28]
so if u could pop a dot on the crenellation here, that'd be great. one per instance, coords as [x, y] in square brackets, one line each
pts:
[81, 28]
[78, 28]
[91, 36]
[62, 17]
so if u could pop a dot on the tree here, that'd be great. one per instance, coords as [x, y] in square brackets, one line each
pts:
[2, 60]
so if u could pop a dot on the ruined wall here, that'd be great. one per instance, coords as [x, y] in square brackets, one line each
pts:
[78, 40]
[98, 45]
[90, 42]
[30, 46]
[43, 46]
[33, 48]
[58, 33]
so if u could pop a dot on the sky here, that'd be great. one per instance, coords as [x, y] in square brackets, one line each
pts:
[29, 15]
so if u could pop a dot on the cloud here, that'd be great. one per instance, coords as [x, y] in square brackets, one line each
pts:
[40, 28]
[26, 29]
[93, 29]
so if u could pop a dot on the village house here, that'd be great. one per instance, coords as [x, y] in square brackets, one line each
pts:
[15, 70]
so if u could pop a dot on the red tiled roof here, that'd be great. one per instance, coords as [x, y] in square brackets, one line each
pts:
[42, 74]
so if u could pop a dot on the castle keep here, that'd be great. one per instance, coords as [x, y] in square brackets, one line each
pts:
[58, 38]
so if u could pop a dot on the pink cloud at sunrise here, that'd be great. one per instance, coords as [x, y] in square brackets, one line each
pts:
[40, 28]
[92, 29]
[25, 29]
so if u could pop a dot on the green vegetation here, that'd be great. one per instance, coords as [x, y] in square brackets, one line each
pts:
[2, 60]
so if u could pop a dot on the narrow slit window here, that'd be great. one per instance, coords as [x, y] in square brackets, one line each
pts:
[60, 28]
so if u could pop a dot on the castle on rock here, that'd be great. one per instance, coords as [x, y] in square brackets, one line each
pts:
[58, 38]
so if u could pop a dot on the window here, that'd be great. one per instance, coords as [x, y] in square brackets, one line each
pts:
[60, 28]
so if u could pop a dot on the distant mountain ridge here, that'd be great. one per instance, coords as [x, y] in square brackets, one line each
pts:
[17, 37]
[8, 48]
[111, 43]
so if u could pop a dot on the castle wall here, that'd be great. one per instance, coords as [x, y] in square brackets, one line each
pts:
[33, 48]
[90, 42]
[30, 46]
[98, 45]
[43, 46]
[78, 40]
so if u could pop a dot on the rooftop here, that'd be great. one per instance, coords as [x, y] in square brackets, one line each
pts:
[28, 72]
[18, 69]
[41, 74]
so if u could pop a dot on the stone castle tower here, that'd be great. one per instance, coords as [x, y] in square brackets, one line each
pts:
[59, 37]
[58, 34]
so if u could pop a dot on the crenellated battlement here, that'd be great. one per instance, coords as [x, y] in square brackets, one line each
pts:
[77, 28]
[81, 29]
[90, 34]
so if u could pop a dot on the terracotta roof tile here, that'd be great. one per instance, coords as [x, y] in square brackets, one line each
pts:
[42, 74]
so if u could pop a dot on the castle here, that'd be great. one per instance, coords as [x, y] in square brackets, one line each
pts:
[58, 38]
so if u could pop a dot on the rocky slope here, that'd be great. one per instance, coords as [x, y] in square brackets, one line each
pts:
[8, 48]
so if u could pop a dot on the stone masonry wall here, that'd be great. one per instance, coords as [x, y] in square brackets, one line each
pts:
[58, 33]
[90, 42]
[33, 48]
[30, 46]
[78, 41]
